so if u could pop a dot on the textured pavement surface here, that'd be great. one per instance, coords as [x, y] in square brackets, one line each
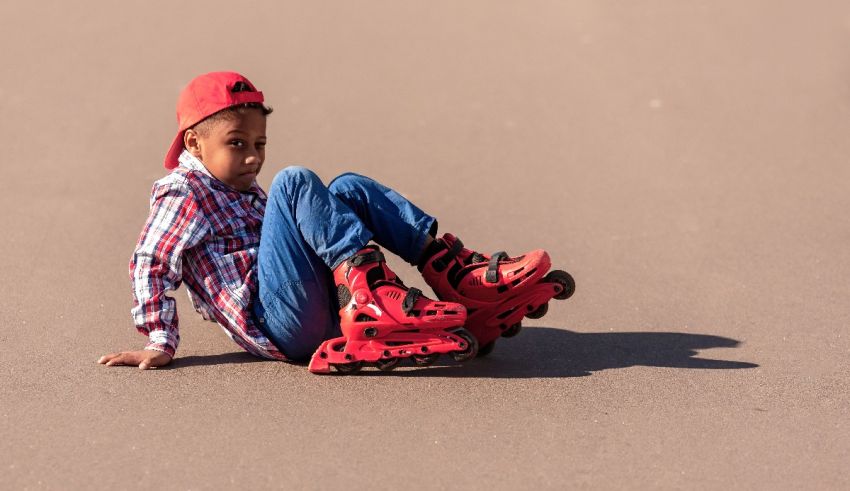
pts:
[686, 161]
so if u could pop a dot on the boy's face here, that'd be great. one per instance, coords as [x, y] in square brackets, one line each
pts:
[233, 149]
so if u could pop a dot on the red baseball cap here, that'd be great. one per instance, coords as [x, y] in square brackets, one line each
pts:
[205, 96]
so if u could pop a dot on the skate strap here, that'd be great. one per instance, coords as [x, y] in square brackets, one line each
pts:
[443, 261]
[362, 258]
[413, 294]
[492, 275]
[475, 258]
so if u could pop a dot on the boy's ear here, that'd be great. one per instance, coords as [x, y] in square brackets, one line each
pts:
[192, 142]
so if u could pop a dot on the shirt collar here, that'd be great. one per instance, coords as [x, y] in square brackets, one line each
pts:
[190, 162]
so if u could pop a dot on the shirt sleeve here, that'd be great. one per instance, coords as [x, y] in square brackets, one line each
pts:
[174, 225]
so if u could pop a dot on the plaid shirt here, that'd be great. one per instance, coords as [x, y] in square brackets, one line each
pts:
[204, 233]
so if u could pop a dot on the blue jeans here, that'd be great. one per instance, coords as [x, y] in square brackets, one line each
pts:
[310, 229]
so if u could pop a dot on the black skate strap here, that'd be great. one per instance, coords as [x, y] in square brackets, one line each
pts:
[475, 258]
[413, 294]
[492, 275]
[443, 261]
[362, 258]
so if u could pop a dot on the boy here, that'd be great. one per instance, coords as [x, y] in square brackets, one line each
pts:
[273, 271]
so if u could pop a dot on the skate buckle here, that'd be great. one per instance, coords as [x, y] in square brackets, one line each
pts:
[361, 258]
[492, 275]
[413, 294]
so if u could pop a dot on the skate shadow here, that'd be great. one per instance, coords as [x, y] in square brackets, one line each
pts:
[547, 352]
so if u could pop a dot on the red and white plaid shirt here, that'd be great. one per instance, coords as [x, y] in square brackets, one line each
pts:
[204, 233]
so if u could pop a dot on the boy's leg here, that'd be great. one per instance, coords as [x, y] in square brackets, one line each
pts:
[306, 232]
[397, 224]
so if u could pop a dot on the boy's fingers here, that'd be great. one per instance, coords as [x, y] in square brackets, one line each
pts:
[116, 360]
[105, 358]
[143, 359]
[123, 358]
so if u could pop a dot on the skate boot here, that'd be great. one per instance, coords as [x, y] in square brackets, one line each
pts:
[497, 290]
[383, 322]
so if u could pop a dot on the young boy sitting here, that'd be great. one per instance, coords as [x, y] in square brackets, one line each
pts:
[274, 271]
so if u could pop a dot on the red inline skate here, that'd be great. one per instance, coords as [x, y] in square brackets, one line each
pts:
[383, 321]
[497, 290]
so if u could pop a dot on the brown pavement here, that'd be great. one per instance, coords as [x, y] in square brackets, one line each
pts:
[686, 161]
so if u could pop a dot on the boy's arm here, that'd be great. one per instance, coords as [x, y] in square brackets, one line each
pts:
[175, 224]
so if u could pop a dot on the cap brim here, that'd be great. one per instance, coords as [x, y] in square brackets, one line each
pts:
[172, 158]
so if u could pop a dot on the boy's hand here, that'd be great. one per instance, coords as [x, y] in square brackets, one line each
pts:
[143, 359]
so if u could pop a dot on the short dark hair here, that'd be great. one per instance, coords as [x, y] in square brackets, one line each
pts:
[204, 126]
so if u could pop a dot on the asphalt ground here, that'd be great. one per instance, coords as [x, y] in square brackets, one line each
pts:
[685, 161]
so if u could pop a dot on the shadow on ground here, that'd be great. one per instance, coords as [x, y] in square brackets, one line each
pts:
[547, 352]
[238, 357]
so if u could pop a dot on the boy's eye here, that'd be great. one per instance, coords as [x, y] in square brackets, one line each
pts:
[237, 143]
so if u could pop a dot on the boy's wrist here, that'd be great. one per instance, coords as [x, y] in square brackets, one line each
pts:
[163, 341]
[162, 349]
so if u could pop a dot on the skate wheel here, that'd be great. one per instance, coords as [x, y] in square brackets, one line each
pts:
[486, 349]
[388, 364]
[565, 280]
[349, 368]
[512, 330]
[471, 346]
[425, 360]
[538, 312]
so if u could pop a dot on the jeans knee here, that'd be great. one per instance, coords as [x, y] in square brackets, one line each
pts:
[290, 178]
[346, 182]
